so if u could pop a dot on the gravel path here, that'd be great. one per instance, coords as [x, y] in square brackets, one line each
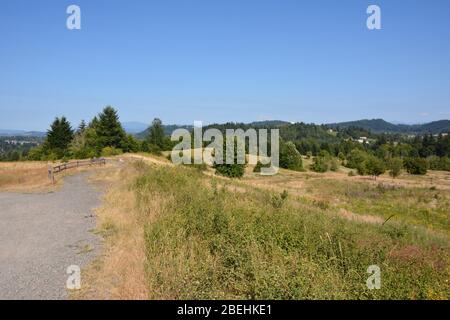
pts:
[43, 234]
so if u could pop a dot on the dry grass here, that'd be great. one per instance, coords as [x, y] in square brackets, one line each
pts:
[32, 176]
[24, 176]
[119, 272]
[130, 268]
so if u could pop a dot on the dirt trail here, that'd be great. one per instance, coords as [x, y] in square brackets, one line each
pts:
[43, 234]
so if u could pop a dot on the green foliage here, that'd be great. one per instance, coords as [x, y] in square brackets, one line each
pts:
[438, 163]
[217, 244]
[334, 166]
[416, 166]
[156, 134]
[109, 131]
[356, 158]
[111, 151]
[58, 137]
[290, 158]
[395, 166]
[260, 165]
[277, 201]
[374, 166]
[232, 170]
[320, 164]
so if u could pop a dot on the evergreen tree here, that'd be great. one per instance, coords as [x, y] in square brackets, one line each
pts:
[109, 130]
[81, 127]
[59, 137]
[156, 134]
[290, 158]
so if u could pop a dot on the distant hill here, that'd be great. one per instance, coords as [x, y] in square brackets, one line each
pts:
[269, 123]
[21, 133]
[380, 126]
[134, 126]
[168, 129]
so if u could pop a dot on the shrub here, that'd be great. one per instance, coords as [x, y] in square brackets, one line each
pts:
[259, 165]
[374, 166]
[152, 148]
[277, 201]
[416, 166]
[290, 158]
[395, 166]
[111, 151]
[230, 170]
[355, 159]
[320, 164]
[334, 166]
[438, 163]
[234, 170]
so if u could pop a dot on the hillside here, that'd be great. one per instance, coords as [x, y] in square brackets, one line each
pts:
[182, 233]
[21, 133]
[380, 126]
[168, 129]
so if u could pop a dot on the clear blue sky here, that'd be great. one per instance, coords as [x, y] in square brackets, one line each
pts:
[224, 60]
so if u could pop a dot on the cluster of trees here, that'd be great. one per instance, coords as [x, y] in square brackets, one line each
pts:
[103, 136]
[16, 148]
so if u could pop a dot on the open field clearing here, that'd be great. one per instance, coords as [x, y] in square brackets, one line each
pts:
[178, 233]
[23, 176]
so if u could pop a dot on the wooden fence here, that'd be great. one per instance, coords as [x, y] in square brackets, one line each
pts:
[52, 170]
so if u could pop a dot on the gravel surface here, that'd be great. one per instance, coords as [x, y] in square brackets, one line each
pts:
[41, 235]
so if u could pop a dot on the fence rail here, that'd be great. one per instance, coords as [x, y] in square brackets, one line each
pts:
[52, 170]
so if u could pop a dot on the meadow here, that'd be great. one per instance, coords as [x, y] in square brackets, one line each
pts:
[183, 233]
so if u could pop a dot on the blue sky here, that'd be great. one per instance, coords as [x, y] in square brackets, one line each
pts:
[224, 60]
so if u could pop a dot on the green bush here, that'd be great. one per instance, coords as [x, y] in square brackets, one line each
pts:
[374, 166]
[438, 163]
[416, 166]
[395, 166]
[111, 151]
[259, 165]
[234, 170]
[320, 164]
[230, 170]
[290, 158]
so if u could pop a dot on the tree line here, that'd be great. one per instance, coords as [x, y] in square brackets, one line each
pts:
[102, 136]
[327, 148]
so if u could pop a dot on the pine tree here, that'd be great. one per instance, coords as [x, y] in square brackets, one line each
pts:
[109, 129]
[156, 134]
[59, 136]
[81, 127]
[290, 158]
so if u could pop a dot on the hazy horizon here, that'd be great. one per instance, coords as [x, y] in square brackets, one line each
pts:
[145, 125]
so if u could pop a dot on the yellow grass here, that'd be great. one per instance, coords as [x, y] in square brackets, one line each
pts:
[119, 272]
[24, 176]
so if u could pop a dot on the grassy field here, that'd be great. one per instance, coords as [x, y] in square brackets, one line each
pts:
[32, 176]
[23, 176]
[178, 233]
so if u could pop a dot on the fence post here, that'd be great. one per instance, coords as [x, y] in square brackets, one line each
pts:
[51, 175]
